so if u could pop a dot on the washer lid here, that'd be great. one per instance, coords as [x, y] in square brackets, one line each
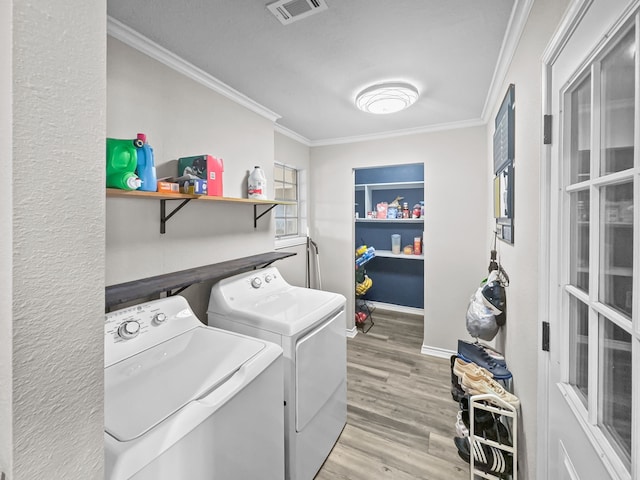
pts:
[144, 390]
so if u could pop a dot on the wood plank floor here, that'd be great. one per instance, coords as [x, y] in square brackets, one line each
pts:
[401, 417]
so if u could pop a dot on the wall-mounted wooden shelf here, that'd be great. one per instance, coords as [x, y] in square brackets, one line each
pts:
[186, 198]
[173, 283]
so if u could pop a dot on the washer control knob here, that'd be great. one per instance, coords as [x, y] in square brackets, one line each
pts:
[268, 278]
[159, 318]
[129, 329]
[256, 282]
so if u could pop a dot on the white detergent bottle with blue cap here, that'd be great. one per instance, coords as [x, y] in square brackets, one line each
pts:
[257, 184]
[146, 168]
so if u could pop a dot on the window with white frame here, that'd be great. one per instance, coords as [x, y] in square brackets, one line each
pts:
[601, 188]
[286, 189]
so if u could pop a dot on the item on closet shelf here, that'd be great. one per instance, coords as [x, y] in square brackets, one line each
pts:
[407, 250]
[392, 212]
[361, 288]
[421, 208]
[417, 245]
[361, 317]
[485, 457]
[381, 210]
[168, 187]
[396, 202]
[415, 213]
[405, 210]
[205, 167]
[122, 160]
[365, 257]
[361, 250]
[395, 244]
[194, 186]
[146, 168]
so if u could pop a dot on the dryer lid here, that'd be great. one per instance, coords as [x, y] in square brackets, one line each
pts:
[144, 390]
[287, 311]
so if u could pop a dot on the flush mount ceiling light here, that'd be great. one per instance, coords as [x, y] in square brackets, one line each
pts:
[386, 98]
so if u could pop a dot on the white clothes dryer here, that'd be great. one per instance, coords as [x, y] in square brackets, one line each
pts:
[188, 401]
[310, 326]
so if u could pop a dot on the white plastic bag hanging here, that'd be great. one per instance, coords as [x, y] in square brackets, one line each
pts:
[481, 322]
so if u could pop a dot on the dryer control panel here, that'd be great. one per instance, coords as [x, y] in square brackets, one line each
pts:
[130, 330]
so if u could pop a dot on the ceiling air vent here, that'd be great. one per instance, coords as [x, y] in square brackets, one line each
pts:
[288, 11]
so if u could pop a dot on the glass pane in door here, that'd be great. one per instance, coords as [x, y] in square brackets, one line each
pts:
[579, 251]
[581, 131]
[618, 95]
[616, 247]
[579, 344]
[615, 386]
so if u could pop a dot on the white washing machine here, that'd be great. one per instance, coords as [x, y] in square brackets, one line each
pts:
[187, 401]
[310, 326]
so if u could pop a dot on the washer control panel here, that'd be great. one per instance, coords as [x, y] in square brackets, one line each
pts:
[130, 330]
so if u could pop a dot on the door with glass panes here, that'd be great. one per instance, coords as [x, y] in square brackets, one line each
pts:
[594, 249]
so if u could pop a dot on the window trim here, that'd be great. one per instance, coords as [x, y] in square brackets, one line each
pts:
[285, 241]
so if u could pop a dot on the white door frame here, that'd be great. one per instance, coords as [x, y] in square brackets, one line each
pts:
[567, 25]
[572, 18]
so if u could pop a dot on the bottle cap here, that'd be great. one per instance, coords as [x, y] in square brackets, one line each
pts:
[133, 182]
[143, 137]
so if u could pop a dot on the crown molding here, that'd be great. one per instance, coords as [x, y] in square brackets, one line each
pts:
[517, 22]
[127, 35]
[399, 133]
[292, 135]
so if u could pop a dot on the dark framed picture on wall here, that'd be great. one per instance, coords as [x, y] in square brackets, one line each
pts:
[503, 160]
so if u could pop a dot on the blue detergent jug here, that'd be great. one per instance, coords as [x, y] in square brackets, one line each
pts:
[146, 168]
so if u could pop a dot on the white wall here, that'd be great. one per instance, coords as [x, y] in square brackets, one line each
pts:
[52, 212]
[182, 118]
[519, 338]
[455, 240]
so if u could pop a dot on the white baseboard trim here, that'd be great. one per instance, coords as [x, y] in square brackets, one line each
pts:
[390, 307]
[352, 332]
[436, 352]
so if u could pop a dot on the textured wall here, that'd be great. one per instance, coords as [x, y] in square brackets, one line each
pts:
[57, 249]
[6, 203]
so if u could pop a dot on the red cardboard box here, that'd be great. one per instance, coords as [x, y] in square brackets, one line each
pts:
[206, 167]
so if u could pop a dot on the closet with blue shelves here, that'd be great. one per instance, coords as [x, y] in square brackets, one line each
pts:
[398, 279]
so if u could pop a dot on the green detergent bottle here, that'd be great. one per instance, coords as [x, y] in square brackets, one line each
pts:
[122, 160]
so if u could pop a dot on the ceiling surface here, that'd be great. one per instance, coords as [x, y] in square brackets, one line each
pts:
[309, 72]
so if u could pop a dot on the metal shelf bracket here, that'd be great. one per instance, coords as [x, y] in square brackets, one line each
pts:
[163, 213]
[256, 217]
